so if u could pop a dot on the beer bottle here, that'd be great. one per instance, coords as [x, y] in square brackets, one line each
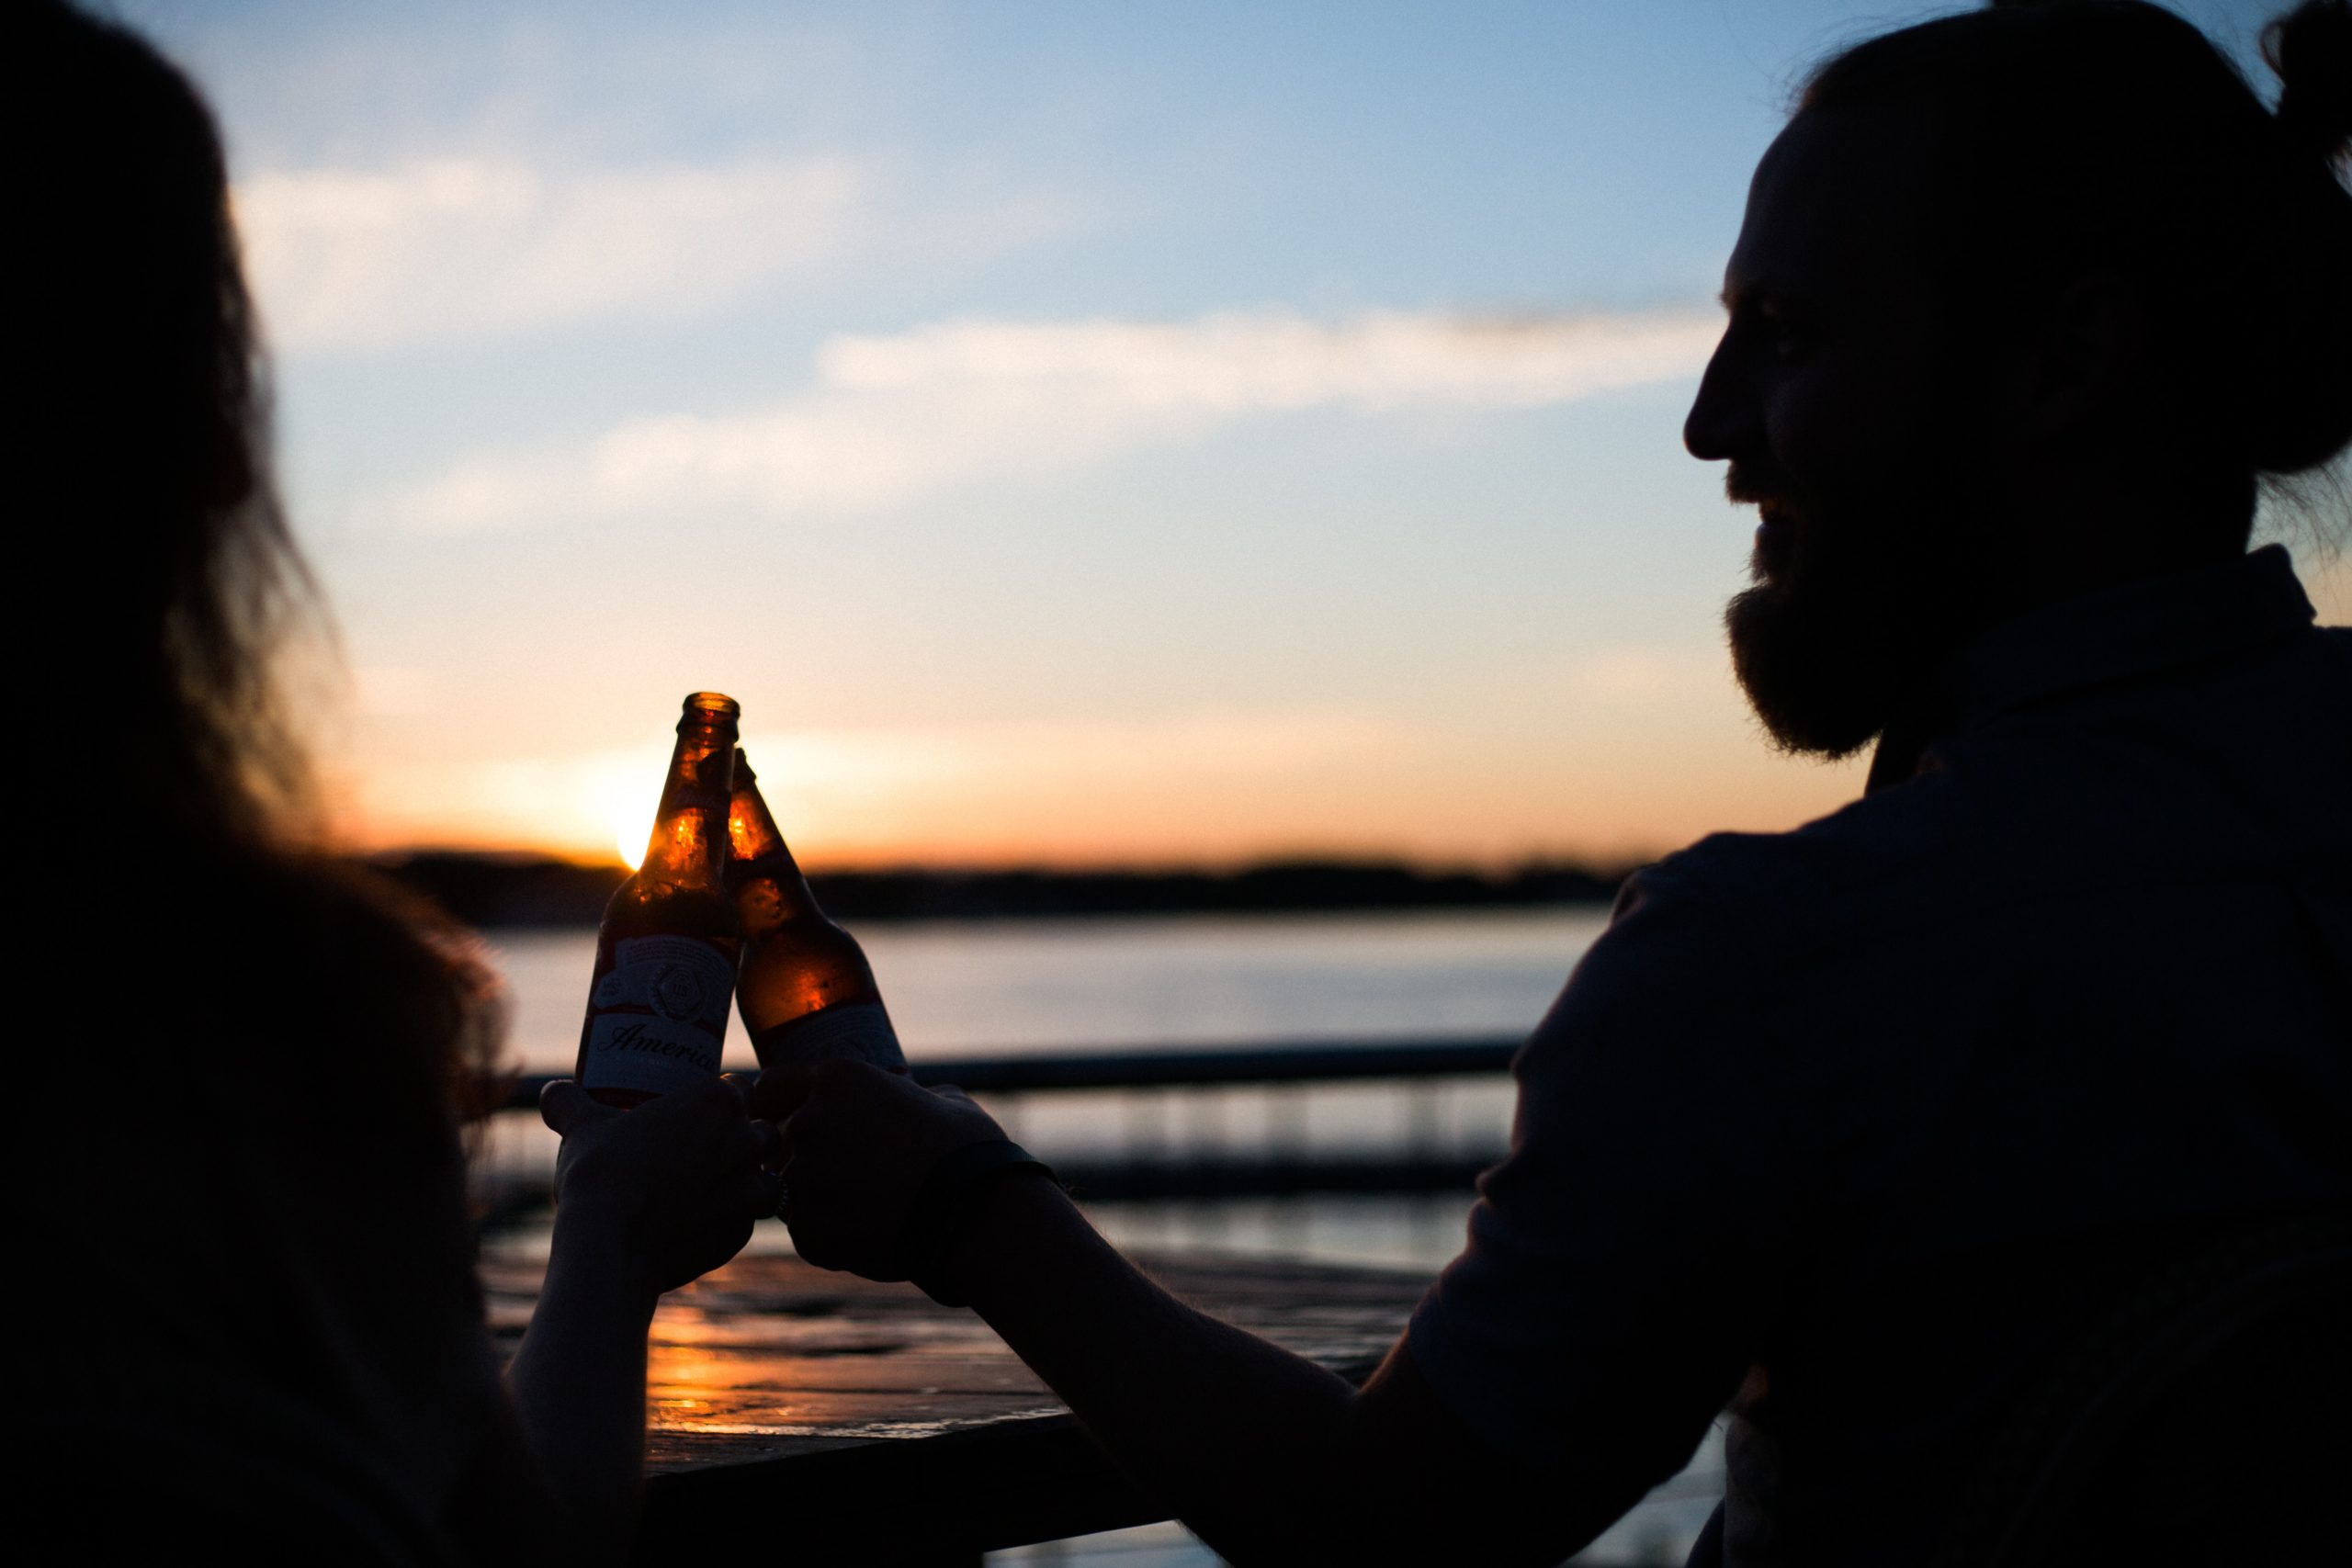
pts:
[805, 989]
[666, 952]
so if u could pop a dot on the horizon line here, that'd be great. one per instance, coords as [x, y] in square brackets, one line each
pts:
[1427, 866]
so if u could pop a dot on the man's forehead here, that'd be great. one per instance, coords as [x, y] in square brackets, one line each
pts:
[1831, 211]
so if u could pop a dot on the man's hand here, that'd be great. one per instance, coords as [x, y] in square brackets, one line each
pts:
[860, 1141]
[661, 1194]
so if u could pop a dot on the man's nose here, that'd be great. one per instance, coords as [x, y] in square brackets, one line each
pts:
[1720, 422]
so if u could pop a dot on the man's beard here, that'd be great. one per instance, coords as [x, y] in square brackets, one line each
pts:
[1848, 621]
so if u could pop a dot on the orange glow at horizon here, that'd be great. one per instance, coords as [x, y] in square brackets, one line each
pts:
[1606, 759]
[1443, 814]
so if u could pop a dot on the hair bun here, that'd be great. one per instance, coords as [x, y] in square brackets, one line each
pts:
[2310, 50]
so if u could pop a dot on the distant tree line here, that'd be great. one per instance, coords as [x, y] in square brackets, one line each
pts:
[533, 890]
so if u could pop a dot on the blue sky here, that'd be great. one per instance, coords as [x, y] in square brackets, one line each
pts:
[1079, 432]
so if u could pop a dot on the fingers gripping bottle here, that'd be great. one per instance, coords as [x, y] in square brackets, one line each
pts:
[806, 991]
[667, 950]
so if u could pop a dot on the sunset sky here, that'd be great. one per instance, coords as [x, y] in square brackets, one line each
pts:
[1076, 432]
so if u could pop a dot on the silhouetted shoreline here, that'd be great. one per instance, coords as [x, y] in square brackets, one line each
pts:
[488, 889]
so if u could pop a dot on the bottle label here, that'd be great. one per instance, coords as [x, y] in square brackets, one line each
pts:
[860, 1033]
[658, 1017]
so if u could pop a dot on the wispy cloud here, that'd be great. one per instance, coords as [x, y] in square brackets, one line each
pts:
[892, 418]
[464, 249]
[450, 249]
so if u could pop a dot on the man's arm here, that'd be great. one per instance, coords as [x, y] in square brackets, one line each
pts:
[1620, 1259]
[1269, 1457]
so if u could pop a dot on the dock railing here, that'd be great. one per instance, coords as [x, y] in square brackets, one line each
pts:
[1419, 1154]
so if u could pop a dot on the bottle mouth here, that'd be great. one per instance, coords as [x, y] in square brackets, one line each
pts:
[710, 705]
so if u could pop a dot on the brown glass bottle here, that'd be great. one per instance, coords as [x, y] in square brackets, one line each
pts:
[805, 989]
[667, 950]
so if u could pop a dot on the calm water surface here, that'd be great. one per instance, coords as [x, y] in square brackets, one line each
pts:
[1006, 987]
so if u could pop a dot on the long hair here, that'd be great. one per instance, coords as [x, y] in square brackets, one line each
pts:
[2072, 138]
[149, 530]
[147, 460]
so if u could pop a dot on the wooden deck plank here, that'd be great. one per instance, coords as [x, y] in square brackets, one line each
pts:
[788, 1406]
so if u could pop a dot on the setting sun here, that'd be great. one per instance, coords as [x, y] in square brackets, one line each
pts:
[625, 805]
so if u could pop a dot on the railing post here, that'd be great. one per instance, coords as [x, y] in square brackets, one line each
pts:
[1147, 1125]
[1424, 1127]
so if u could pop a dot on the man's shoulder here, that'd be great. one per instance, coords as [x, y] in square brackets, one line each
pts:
[1891, 854]
[1741, 922]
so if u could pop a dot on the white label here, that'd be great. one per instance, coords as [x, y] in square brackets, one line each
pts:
[657, 1020]
[856, 1034]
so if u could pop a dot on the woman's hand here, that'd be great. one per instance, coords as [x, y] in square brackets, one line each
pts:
[661, 1194]
[860, 1142]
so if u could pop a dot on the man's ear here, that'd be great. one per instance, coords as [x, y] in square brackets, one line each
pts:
[2092, 357]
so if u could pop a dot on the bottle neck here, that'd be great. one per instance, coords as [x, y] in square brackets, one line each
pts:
[689, 840]
[761, 855]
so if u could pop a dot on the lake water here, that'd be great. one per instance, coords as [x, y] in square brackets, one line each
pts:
[1006, 987]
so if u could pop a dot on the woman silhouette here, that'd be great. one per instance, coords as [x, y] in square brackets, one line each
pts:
[276, 1336]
